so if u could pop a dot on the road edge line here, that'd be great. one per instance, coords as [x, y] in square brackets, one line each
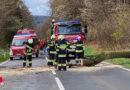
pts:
[59, 83]
[121, 67]
[4, 62]
[54, 72]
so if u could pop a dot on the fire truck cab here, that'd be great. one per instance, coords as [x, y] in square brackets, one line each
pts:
[17, 47]
[70, 30]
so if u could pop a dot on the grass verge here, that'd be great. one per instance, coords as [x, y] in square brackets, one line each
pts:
[4, 55]
[90, 52]
[125, 62]
[120, 61]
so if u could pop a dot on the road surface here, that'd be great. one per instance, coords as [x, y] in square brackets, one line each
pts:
[41, 77]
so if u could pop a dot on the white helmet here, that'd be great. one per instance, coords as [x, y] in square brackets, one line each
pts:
[53, 37]
[30, 41]
[61, 37]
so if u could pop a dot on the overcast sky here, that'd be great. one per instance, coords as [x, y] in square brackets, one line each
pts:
[38, 7]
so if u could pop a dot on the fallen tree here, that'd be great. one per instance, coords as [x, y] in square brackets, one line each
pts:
[93, 60]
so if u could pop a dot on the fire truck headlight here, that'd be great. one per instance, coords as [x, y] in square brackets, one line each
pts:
[75, 41]
[11, 53]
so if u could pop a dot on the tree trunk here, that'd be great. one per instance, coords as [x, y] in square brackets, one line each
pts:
[91, 61]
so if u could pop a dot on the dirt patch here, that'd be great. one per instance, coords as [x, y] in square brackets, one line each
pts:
[24, 71]
[100, 66]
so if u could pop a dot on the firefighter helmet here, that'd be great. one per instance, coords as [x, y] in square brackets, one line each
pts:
[61, 37]
[53, 37]
[30, 41]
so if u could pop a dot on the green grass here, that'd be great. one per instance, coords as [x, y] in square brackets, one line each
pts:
[4, 55]
[89, 51]
[120, 61]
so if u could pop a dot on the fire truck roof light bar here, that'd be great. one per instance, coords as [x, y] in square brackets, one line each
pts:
[66, 20]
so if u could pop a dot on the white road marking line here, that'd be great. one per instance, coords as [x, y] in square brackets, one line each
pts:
[59, 83]
[125, 69]
[119, 67]
[46, 59]
[4, 62]
[53, 71]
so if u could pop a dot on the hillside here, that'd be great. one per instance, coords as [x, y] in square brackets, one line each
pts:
[39, 19]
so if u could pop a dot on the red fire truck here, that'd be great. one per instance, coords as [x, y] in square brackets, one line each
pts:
[17, 48]
[70, 30]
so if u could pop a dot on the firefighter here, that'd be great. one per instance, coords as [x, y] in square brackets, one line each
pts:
[79, 50]
[62, 53]
[28, 53]
[52, 51]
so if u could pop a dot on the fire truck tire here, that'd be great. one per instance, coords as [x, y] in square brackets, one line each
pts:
[11, 58]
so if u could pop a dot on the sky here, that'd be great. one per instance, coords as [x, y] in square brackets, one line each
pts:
[38, 7]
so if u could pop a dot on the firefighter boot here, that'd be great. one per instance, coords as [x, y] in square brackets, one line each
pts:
[64, 68]
[30, 64]
[59, 68]
[24, 64]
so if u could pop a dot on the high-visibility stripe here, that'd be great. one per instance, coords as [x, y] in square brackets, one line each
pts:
[79, 50]
[79, 44]
[28, 53]
[62, 46]
[59, 64]
[55, 63]
[29, 61]
[63, 64]
[49, 60]
[29, 47]
[71, 50]
[53, 52]
[62, 55]
[24, 61]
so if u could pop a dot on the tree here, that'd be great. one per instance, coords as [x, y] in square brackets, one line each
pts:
[14, 15]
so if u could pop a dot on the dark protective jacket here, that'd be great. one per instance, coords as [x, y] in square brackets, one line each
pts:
[52, 47]
[62, 48]
[28, 48]
[79, 47]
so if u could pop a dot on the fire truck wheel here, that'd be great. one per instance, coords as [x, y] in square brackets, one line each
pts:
[21, 58]
[11, 58]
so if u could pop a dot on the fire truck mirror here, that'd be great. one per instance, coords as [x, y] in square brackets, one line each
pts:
[85, 29]
[8, 45]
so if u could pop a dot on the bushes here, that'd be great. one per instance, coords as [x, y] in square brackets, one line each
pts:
[4, 55]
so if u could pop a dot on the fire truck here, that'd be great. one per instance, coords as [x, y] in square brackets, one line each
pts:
[70, 30]
[17, 48]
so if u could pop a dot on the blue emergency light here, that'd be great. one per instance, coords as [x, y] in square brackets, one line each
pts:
[22, 34]
[76, 20]
[61, 21]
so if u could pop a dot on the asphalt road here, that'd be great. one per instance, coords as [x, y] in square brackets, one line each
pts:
[41, 77]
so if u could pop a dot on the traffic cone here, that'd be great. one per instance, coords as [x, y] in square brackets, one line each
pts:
[1, 82]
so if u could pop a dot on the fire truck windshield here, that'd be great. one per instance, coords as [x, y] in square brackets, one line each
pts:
[18, 42]
[65, 29]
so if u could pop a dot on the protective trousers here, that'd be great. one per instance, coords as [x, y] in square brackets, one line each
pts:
[27, 59]
[51, 58]
[79, 56]
[61, 61]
